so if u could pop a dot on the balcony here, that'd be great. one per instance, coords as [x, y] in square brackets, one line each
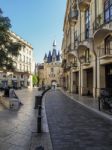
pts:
[85, 35]
[73, 16]
[83, 4]
[105, 53]
[85, 61]
[85, 38]
[66, 67]
[102, 23]
[74, 65]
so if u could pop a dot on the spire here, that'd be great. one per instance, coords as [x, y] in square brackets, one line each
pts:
[54, 55]
[45, 56]
[54, 44]
[49, 57]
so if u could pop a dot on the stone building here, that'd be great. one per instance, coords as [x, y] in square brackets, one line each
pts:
[52, 67]
[22, 76]
[87, 46]
[41, 74]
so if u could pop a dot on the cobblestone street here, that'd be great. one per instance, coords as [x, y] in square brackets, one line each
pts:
[74, 127]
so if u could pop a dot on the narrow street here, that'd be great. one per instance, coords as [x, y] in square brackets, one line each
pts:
[16, 127]
[74, 127]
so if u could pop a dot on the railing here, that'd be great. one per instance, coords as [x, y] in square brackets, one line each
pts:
[99, 21]
[105, 51]
[84, 36]
[85, 60]
[74, 64]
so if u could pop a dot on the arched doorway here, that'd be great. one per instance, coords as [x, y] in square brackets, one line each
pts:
[54, 84]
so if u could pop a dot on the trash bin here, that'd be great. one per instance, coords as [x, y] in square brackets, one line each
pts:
[39, 148]
[38, 101]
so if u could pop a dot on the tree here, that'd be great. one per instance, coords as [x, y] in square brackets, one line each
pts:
[35, 80]
[8, 48]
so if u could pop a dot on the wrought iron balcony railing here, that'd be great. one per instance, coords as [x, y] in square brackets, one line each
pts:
[100, 21]
[85, 35]
[85, 60]
[74, 64]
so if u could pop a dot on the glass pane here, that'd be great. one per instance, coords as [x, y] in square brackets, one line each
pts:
[110, 12]
[107, 15]
[110, 2]
[106, 4]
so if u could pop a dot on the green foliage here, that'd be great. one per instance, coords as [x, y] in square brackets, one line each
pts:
[8, 48]
[35, 80]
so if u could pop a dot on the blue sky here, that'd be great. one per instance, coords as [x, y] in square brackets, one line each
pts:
[37, 21]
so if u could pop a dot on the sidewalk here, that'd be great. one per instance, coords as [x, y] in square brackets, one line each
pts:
[90, 103]
[18, 129]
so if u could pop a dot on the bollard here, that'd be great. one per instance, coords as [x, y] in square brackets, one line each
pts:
[39, 110]
[38, 101]
[39, 124]
[39, 148]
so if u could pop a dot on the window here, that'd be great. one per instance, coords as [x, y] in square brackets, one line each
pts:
[27, 60]
[52, 69]
[107, 11]
[87, 23]
[22, 76]
[87, 53]
[20, 66]
[20, 57]
[24, 58]
[108, 45]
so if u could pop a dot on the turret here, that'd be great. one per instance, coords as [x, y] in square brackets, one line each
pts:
[54, 54]
[45, 58]
[49, 57]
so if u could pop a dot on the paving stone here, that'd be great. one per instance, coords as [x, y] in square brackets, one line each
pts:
[74, 127]
[16, 127]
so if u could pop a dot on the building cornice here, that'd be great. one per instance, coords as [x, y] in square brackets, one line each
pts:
[17, 37]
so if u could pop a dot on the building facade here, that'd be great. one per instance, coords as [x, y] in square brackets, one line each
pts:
[86, 46]
[51, 68]
[22, 76]
[41, 74]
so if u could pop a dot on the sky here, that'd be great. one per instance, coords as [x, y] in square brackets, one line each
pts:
[39, 22]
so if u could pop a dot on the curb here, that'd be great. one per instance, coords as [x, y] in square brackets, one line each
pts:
[102, 114]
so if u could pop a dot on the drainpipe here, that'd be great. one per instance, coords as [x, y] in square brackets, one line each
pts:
[95, 52]
[78, 55]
